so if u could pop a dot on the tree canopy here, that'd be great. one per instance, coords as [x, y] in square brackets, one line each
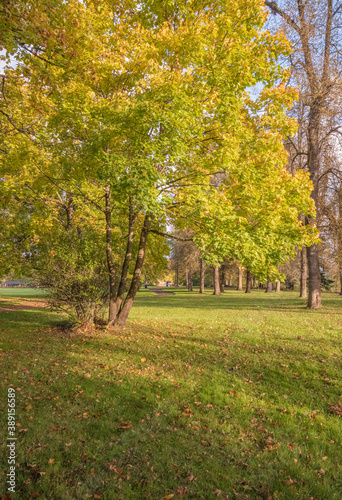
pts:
[119, 123]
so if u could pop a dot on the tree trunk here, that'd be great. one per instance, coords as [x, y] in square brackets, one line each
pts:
[109, 254]
[269, 287]
[303, 274]
[341, 282]
[248, 281]
[116, 302]
[277, 286]
[315, 295]
[222, 277]
[230, 281]
[125, 309]
[216, 280]
[190, 285]
[176, 275]
[202, 270]
[240, 275]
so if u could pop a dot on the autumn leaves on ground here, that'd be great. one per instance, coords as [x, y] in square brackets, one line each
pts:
[234, 396]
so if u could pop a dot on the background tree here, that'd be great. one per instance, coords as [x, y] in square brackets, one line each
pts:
[314, 29]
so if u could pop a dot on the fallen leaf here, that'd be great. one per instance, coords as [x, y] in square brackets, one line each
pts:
[168, 497]
[51, 460]
[181, 491]
[118, 470]
[143, 360]
[34, 494]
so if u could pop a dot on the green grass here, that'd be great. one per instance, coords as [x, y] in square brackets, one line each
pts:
[199, 396]
[27, 293]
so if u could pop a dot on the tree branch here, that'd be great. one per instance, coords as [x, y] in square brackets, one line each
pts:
[275, 8]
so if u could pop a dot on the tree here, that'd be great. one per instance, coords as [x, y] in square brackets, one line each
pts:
[313, 27]
[143, 115]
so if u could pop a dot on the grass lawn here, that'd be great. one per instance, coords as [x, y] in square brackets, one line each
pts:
[198, 397]
[20, 293]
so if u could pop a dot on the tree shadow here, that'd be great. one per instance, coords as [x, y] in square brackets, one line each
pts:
[238, 301]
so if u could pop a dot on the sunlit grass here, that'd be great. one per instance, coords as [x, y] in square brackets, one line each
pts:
[199, 396]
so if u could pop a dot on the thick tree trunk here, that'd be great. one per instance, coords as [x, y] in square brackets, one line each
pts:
[248, 281]
[269, 287]
[216, 280]
[109, 254]
[222, 277]
[126, 307]
[202, 271]
[240, 275]
[277, 286]
[303, 274]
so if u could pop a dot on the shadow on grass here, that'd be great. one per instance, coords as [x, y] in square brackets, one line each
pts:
[258, 300]
[192, 416]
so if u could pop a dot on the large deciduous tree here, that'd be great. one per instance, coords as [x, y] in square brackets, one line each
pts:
[314, 29]
[141, 114]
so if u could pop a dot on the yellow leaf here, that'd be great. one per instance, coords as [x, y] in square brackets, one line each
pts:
[168, 497]
[51, 460]
[143, 361]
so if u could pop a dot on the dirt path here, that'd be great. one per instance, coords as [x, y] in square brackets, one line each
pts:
[24, 305]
